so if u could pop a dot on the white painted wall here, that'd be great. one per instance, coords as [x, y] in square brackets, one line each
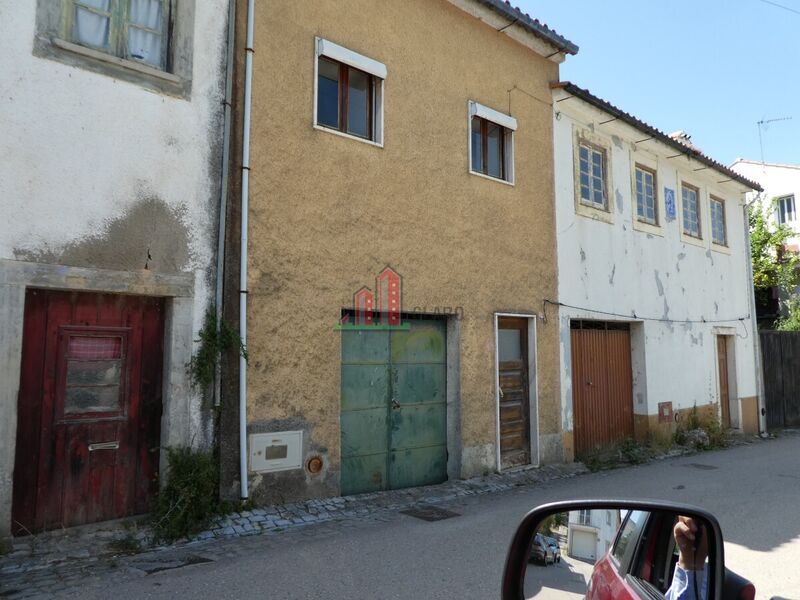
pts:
[614, 268]
[602, 527]
[80, 149]
[777, 180]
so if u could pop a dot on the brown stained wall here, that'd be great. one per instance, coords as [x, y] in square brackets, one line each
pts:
[648, 427]
[327, 213]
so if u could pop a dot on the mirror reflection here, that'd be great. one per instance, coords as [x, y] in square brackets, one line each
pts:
[611, 553]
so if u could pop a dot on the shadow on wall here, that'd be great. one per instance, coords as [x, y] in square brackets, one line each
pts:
[150, 235]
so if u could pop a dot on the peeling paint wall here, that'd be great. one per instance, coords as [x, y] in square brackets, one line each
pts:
[100, 173]
[652, 277]
[328, 213]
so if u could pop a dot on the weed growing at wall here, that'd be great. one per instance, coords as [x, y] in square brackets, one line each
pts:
[189, 501]
[701, 432]
[214, 341]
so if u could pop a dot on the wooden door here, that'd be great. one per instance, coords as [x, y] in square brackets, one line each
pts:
[394, 406]
[722, 369]
[89, 409]
[512, 361]
[602, 385]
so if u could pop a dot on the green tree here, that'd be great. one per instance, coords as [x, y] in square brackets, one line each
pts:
[773, 265]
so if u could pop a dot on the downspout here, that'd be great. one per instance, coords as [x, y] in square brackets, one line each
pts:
[248, 101]
[751, 296]
[223, 191]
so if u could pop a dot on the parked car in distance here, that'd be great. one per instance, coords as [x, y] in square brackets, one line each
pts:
[541, 551]
[553, 543]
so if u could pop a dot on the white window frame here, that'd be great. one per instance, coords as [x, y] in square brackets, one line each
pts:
[586, 137]
[699, 212]
[323, 47]
[509, 123]
[781, 201]
[712, 200]
[592, 148]
[637, 167]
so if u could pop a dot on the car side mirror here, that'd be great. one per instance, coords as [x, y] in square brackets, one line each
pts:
[619, 549]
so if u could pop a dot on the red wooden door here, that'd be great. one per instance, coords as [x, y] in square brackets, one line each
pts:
[89, 409]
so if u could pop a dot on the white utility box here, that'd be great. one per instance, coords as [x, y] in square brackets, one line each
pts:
[279, 451]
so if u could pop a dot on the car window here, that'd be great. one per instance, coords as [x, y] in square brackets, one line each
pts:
[630, 531]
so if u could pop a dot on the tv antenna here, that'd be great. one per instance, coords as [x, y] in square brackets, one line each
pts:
[762, 124]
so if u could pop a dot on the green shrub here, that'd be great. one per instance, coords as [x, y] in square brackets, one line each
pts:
[632, 451]
[189, 501]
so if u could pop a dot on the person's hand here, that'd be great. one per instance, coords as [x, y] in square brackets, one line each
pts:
[686, 531]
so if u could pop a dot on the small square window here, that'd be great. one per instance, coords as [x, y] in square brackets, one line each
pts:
[646, 207]
[592, 172]
[130, 29]
[691, 210]
[718, 233]
[491, 142]
[349, 93]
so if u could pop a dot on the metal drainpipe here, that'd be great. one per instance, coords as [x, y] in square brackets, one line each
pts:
[248, 101]
[223, 191]
[762, 419]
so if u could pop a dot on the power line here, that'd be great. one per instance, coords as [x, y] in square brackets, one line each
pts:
[794, 10]
[640, 318]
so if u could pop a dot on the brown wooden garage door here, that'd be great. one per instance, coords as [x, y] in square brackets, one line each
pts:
[602, 387]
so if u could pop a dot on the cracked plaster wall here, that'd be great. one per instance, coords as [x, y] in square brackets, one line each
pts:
[101, 173]
[615, 266]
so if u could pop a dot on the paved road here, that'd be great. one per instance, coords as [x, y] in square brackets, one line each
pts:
[753, 490]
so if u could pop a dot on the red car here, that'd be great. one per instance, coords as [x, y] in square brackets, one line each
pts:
[641, 562]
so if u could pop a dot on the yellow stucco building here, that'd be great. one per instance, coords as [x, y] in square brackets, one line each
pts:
[401, 245]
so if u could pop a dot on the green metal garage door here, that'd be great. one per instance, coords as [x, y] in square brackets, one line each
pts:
[394, 411]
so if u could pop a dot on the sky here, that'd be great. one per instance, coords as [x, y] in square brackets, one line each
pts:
[712, 68]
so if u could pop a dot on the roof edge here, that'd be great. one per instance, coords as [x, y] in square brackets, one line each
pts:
[628, 118]
[531, 25]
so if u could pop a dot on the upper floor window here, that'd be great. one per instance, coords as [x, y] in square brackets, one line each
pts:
[718, 233]
[646, 196]
[491, 141]
[585, 517]
[349, 92]
[690, 201]
[129, 29]
[785, 209]
[592, 170]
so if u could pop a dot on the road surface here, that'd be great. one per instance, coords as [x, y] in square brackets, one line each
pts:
[753, 490]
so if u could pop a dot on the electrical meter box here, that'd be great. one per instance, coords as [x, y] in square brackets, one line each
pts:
[278, 451]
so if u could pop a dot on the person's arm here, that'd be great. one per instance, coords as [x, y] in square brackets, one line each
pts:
[683, 584]
[690, 578]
